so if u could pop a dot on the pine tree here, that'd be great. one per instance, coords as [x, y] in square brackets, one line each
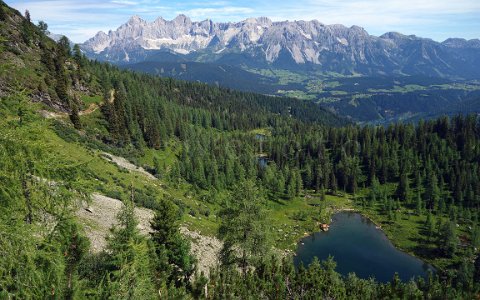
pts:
[26, 29]
[77, 55]
[74, 248]
[465, 275]
[291, 185]
[476, 274]
[158, 169]
[418, 204]
[298, 183]
[279, 187]
[374, 191]
[432, 193]
[64, 47]
[45, 261]
[322, 194]
[476, 237]
[119, 106]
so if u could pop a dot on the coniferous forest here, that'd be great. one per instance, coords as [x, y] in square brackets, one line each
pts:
[212, 151]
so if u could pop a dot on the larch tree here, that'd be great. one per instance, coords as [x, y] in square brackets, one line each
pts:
[243, 228]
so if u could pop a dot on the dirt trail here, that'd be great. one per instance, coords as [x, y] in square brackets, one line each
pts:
[100, 216]
[112, 96]
[91, 108]
[53, 115]
[61, 115]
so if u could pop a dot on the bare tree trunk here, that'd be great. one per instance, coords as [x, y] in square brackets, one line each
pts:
[244, 257]
[28, 200]
[244, 263]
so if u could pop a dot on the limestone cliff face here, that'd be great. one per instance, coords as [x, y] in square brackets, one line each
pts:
[292, 43]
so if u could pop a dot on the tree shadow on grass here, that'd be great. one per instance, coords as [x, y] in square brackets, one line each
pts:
[424, 248]
[278, 200]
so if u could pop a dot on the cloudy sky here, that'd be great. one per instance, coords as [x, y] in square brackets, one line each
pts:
[437, 19]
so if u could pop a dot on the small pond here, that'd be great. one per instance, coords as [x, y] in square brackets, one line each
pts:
[262, 161]
[357, 245]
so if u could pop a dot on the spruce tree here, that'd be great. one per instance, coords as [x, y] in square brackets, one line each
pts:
[27, 16]
[403, 189]
[447, 239]
[173, 251]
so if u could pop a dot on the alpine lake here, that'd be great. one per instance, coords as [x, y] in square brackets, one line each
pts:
[358, 245]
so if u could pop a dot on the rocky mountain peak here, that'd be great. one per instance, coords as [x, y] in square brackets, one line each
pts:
[286, 43]
[135, 19]
[262, 21]
[182, 20]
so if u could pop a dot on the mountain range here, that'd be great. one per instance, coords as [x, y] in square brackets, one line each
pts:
[292, 45]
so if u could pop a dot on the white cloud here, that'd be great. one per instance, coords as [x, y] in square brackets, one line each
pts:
[124, 2]
[216, 12]
[431, 18]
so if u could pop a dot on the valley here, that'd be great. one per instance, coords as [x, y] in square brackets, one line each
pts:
[369, 79]
[127, 185]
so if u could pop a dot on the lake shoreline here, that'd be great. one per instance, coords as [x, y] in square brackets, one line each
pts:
[391, 241]
[390, 238]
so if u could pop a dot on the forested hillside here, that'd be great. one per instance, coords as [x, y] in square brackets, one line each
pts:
[254, 170]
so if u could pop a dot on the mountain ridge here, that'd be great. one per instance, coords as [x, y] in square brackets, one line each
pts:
[289, 44]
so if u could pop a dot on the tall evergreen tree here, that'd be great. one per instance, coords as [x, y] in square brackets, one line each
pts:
[173, 251]
[131, 275]
[243, 227]
[403, 189]
[447, 239]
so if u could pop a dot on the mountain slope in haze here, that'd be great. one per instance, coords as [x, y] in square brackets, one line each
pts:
[370, 99]
[297, 45]
[210, 73]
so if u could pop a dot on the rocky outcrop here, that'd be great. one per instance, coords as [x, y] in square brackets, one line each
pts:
[99, 216]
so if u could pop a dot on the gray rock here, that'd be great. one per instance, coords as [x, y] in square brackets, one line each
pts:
[288, 43]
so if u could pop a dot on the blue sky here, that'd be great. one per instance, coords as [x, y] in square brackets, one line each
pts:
[437, 19]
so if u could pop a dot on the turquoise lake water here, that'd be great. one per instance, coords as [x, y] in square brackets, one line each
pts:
[358, 246]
